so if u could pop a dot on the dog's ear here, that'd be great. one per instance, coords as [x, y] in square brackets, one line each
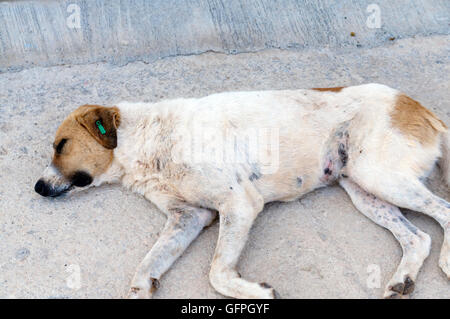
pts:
[101, 122]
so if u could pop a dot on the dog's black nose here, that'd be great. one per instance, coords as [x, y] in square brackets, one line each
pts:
[41, 188]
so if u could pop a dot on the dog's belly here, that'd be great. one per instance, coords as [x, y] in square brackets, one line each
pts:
[299, 167]
[305, 165]
[301, 170]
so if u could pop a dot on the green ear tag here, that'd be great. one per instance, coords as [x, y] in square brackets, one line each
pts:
[100, 127]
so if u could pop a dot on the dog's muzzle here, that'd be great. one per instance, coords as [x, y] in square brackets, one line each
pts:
[44, 189]
[52, 183]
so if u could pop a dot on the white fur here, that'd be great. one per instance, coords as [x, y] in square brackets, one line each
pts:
[310, 128]
[445, 161]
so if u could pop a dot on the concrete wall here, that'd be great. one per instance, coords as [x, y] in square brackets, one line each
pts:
[45, 33]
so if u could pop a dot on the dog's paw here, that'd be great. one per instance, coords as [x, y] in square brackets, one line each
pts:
[269, 291]
[400, 290]
[141, 292]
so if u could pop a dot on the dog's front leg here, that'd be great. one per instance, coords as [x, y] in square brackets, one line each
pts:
[183, 226]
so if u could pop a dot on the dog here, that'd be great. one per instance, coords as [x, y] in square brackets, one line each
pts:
[374, 141]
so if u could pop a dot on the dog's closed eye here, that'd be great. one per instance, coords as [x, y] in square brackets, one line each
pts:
[59, 147]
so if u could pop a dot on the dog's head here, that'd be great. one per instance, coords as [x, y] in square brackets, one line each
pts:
[83, 150]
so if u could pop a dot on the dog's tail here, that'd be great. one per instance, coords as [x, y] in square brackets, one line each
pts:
[445, 160]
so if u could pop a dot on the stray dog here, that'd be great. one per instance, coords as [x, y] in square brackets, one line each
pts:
[230, 153]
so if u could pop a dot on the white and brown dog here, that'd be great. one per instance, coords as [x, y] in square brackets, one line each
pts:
[375, 141]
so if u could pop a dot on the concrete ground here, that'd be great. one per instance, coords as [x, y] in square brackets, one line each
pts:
[317, 247]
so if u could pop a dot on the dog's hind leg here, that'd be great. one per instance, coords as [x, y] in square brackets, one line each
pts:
[410, 193]
[236, 219]
[183, 225]
[415, 243]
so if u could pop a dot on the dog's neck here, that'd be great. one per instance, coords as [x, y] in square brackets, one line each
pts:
[139, 122]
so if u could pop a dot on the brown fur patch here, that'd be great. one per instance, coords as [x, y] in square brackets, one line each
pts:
[89, 115]
[335, 89]
[84, 150]
[413, 120]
